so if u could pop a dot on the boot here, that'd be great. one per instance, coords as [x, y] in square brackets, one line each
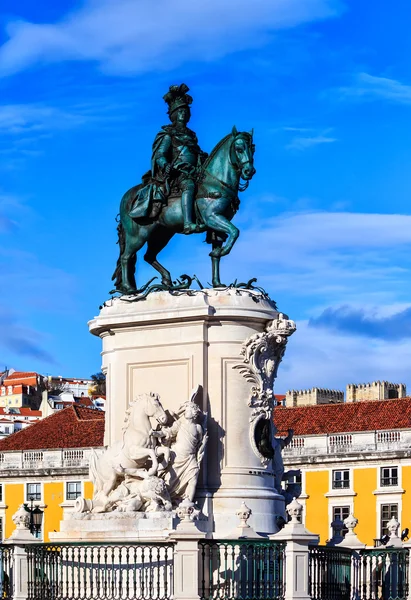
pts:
[187, 208]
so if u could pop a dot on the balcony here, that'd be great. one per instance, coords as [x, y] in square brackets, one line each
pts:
[45, 459]
[348, 443]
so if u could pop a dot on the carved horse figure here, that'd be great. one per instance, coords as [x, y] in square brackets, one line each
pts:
[131, 453]
[216, 204]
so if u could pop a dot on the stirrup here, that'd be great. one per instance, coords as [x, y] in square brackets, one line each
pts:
[190, 228]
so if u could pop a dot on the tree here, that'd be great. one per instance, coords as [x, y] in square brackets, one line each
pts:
[99, 383]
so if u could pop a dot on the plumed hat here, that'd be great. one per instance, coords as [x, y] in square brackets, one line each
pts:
[177, 97]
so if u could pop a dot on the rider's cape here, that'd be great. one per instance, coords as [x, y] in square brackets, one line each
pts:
[152, 190]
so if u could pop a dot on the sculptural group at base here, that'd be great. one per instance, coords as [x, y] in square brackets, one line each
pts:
[150, 470]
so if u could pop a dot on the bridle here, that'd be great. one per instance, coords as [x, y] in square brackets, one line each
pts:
[237, 168]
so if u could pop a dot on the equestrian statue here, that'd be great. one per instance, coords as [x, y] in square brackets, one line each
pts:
[185, 191]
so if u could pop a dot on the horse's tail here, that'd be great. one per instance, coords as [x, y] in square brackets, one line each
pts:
[93, 470]
[117, 276]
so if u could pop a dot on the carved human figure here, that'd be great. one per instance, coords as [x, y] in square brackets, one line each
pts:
[188, 440]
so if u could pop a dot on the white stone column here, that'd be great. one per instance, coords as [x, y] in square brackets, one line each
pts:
[296, 553]
[186, 555]
[19, 539]
[170, 344]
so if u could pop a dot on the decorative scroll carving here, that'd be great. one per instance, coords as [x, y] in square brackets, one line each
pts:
[262, 354]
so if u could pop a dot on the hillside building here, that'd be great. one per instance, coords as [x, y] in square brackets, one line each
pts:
[22, 389]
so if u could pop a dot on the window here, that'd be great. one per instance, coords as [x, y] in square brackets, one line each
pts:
[295, 479]
[341, 512]
[389, 476]
[388, 511]
[1, 492]
[341, 480]
[1, 529]
[73, 490]
[33, 490]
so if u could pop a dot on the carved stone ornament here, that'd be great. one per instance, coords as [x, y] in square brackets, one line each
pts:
[351, 523]
[262, 354]
[295, 510]
[21, 518]
[244, 513]
[187, 511]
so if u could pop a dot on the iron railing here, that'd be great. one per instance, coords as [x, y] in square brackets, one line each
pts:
[329, 573]
[239, 570]
[381, 573]
[100, 571]
[6, 572]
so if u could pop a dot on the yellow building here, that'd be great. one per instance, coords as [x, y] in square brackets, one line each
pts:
[350, 458]
[47, 465]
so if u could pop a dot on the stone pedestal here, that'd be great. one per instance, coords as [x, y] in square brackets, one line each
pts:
[170, 344]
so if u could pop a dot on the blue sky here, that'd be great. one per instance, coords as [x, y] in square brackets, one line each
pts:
[327, 87]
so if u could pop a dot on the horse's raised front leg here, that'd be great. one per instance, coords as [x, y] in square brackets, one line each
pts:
[138, 455]
[222, 225]
[155, 243]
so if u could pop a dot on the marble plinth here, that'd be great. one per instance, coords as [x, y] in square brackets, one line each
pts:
[170, 344]
[116, 527]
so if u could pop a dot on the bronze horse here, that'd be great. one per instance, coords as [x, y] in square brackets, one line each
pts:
[216, 204]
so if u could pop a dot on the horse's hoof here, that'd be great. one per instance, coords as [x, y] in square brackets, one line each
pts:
[218, 284]
[128, 291]
[167, 282]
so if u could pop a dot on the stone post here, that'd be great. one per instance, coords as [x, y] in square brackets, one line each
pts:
[186, 554]
[20, 538]
[296, 553]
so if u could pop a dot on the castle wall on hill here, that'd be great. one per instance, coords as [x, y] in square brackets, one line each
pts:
[377, 390]
[313, 396]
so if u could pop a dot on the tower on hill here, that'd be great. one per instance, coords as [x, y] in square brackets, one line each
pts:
[377, 390]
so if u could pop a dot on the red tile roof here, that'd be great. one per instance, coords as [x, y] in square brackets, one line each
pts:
[24, 411]
[73, 427]
[27, 378]
[345, 417]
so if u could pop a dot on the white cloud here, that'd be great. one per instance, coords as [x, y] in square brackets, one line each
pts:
[303, 143]
[326, 257]
[370, 87]
[23, 119]
[320, 358]
[132, 36]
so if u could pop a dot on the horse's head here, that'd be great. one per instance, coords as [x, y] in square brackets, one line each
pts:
[242, 153]
[155, 409]
[152, 407]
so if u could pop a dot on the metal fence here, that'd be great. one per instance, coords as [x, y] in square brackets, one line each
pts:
[6, 572]
[237, 570]
[381, 574]
[329, 573]
[100, 571]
